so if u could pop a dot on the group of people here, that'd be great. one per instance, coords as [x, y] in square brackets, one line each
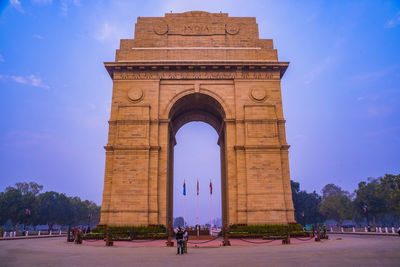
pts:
[182, 238]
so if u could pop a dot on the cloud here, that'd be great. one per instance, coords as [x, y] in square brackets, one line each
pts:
[17, 138]
[320, 68]
[17, 5]
[108, 32]
[37, 36]
[374, 75]
[42, 2]
[394, 21]
[65, 4]
[383, 131]
[31, 80]
[1, 58]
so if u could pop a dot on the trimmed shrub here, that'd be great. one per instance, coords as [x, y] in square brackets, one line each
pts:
[129, 232]
[265, 231]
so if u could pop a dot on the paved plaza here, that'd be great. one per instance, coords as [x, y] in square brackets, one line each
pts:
[350, 251]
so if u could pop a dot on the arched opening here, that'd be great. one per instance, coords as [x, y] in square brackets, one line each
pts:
[189, 108]
[197, 158]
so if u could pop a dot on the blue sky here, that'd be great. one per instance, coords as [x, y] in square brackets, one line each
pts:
[341, 92]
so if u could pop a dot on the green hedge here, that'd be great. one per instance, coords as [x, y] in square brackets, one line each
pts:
[128, 232]
[267, 230]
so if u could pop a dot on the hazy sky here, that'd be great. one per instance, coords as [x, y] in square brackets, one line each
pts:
[341, 93]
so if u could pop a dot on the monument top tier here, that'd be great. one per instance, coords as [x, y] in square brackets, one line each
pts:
[196, 36]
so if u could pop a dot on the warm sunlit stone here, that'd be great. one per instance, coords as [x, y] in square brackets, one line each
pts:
[196, 66]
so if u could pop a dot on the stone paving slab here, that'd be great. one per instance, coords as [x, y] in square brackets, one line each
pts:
[351, 250]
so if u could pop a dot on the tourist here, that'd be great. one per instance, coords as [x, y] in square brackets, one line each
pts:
[185, 240]
[179, 240]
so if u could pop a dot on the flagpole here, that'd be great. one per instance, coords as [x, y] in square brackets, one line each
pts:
[211, 213]
[210, 207]
[184, 211]
[184, 203]
[198, 225]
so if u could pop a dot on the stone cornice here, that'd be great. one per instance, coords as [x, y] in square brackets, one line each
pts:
[198, 65]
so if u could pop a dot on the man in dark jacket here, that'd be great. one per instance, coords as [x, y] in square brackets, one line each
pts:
[179, 240]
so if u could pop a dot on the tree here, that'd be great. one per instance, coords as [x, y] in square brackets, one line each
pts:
[369, 200]
[51, 208]
[12, 205]
[336, 204]
[306, 205]
[391, 185]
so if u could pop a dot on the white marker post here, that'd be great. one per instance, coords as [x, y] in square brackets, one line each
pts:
[60, 231]
[380, 229]
[342, 229]
[354, 230]
[39, 233]
[5, 234]
[27, 233]
[331, 229]
[365, 229]
[393, 230]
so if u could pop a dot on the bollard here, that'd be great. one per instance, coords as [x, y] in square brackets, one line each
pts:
[11, 234]
[354, 230]
[39, 233]
[286, 239]
[50, 232]
[376, 229]
[27, 233]
[60, 232]
[226, 241]
[69, 238]
[341, 229]
[5, 234]
[386, 230]
[15, 233]
[169, 231]
[380, 229]
[393, 230]
[331, 229]
[318, 237]
[109, 243]
[365, 229]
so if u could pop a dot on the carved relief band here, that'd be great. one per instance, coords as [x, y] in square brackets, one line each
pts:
[192, 75]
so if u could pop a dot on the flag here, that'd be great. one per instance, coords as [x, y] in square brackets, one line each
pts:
[197, 187]
[210, 188]
[184, 187]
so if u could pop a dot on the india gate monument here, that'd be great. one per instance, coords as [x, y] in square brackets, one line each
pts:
[196, 66]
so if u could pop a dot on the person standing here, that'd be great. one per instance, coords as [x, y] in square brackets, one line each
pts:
[185, 240]
[179, 240]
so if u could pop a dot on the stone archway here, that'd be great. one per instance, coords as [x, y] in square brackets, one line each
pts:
[196, 107]
[196, 66]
